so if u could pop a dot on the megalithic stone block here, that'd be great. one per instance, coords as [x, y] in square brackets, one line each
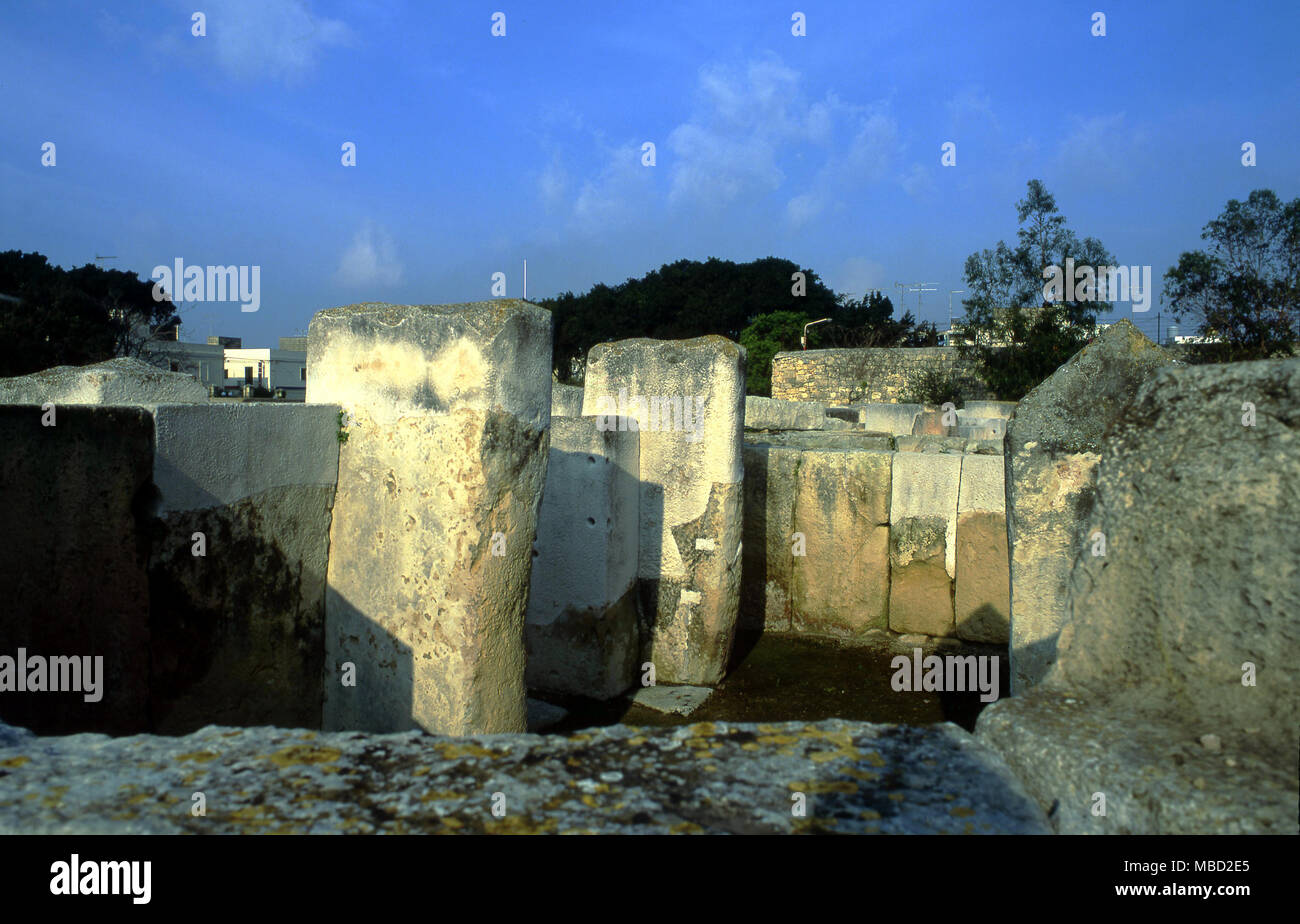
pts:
[446, 417]
[687, 400]
[982, 585]
[1053, 445]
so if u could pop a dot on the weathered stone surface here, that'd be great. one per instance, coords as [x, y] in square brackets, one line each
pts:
[74, 542]
[950, 444]
[439, 485]
[690, 504]
[767, 414]
[1156, 775]
[566, 400]
[1202, 567]
[922, 542]
[581, 630]
[114, 381]
[679, 700]
[999, 409]
[1052, 448]
[981, 589]
[853, 438]
[894, 419]
[840, 586]
[706, 778]
[543, 715]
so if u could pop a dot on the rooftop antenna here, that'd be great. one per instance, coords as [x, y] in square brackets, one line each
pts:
[951, 293]
[525, 280]
[920, 287]
[100, 259]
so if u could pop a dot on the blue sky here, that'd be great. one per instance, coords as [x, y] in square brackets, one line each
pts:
[475, 152]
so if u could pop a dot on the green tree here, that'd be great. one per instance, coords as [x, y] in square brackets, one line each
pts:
[679, 300]
[1245, 289]
[52, 317]
[1015, 333]
[867, 322]
[764, 337]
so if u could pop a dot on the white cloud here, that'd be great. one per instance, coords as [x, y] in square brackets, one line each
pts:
[803, 208]
[859, 275]
[371, 259]
[252, 39]
[918, 181]
[1101, 149]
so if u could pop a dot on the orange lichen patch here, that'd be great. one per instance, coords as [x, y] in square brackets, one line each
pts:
[686, 827]
[823, 786]
[869, 814]
[298, 754]
[200, 756]
[961, 811]
[520, 824]
[868, 775]
[874, 758]
[637, 739]
[438, 795]
[896, 796]
[453, 750]
[15, 761]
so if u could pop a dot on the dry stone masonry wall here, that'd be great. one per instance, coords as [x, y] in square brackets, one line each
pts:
[850, 376]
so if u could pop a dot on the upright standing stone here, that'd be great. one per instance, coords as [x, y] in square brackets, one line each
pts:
[581, 631]
[687, 400]
[447, 409]
[1053, 445]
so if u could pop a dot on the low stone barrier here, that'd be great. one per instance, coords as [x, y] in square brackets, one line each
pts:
[767, 414]
[719, 778]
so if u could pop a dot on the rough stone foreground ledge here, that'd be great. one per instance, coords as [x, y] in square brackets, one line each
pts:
[707, 778]
[1157, 777]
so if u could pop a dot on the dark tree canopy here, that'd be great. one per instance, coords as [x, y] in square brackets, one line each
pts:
[1245, 289]
[679, 300]
[55, 317]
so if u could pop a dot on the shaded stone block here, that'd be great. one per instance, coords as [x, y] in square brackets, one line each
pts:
[922, 542]
[581, 629]
[982, 592]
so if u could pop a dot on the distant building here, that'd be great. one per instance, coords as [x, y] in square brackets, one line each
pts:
[269, 369]
[232, 342]
[294, 343]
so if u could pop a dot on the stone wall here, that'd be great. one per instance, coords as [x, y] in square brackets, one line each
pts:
[863, 375]
[848, 533]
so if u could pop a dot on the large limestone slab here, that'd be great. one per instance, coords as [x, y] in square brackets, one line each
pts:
[840, 585]
[769, 414]
[922, 541]
[982, 589]
[1052, 449]
[894, 419]
[115, 381]
[581, 629]
[1201, 572]
[1178, 674]
[687, 400]
[440, 479]
[855, 778]
[237, 633]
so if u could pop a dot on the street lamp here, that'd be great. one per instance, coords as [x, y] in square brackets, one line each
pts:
[803, 338]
